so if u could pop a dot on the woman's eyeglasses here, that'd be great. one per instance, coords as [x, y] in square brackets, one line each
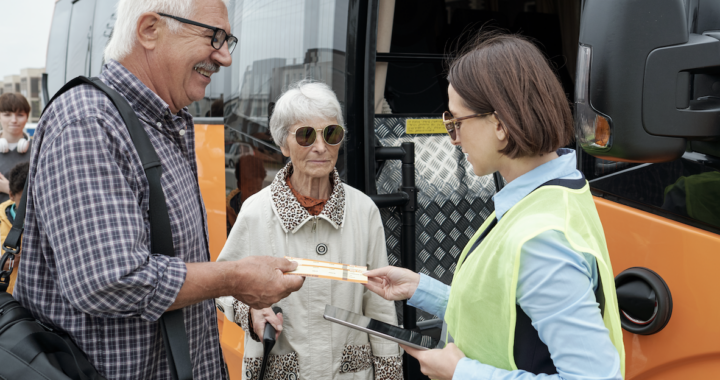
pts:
[219, 35]
[453, 124]
[332, 134]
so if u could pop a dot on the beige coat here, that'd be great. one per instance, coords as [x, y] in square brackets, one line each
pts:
[349, 230]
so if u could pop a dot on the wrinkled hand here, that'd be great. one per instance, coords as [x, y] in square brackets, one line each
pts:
[266, 315]
[4, 184]
[262, 283]
[437, 364]
[392, 283]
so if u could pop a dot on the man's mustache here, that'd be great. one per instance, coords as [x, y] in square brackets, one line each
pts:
[208, 66]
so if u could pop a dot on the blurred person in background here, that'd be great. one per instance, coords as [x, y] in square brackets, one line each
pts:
[249, 174]
[17, 175]
[308, 213]
[14, 142]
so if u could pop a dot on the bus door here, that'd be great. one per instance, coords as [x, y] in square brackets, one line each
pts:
[398, 51]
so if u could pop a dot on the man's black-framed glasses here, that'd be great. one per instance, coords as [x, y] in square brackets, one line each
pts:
[219, 36]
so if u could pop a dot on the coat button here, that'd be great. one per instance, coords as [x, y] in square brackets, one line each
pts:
[321, 249]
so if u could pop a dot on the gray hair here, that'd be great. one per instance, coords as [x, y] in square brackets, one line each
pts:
[302, 102]
[129, 12]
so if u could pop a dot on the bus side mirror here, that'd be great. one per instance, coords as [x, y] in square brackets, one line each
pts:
[648, 79]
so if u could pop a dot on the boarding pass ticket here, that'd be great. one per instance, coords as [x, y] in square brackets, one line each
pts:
[332, 271]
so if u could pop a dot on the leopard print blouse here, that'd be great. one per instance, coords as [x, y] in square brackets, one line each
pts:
[355, 358]
[292, 214]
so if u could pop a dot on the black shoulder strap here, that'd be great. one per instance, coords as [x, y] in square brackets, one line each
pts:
[172, 323]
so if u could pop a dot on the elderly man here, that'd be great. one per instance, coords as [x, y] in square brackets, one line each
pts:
[87, 265]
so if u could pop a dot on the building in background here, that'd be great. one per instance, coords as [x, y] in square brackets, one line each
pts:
[28, 83]
[11, 83]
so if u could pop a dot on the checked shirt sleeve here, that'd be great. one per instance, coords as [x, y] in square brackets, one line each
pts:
[85, 193]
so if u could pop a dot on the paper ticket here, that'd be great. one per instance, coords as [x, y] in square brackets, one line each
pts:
[326, 269]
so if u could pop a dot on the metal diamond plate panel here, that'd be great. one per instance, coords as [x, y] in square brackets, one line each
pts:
[452, 201]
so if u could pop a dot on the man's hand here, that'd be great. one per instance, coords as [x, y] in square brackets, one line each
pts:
[4, 184]
[392, 283]
[262, 281]
[437, 364]
[267, 315]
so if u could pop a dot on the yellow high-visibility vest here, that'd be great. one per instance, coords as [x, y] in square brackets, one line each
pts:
[481, 311]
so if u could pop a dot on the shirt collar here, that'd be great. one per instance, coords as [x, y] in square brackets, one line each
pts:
[292, 214]
[515, 191]
[146, 103]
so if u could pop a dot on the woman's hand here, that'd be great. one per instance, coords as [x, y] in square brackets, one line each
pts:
[393, 283]
[267, 315]
[437, 364]
[4, 184]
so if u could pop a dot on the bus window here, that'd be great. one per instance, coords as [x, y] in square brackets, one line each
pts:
[80, 39]
[426, 28]
[57, 46]
[279, 43]
[685, 189]
[103, 24]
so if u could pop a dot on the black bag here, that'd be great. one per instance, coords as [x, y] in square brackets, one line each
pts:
[30, 350]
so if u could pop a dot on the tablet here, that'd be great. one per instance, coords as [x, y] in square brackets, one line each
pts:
[383, 330]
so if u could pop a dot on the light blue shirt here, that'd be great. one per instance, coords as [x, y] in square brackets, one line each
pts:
[556, 289]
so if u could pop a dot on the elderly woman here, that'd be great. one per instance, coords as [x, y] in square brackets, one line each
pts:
[307, 212]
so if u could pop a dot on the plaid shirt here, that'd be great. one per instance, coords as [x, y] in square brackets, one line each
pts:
[86, 266]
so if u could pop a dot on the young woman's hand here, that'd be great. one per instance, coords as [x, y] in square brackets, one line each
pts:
[437, 364]
[393, 283]
[263, 316]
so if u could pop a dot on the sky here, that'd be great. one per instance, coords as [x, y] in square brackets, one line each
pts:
[24, 31]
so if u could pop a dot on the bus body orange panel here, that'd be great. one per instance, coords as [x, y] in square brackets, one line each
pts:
[687, 258]
[210, 148]
[232, 342]
[210, 151]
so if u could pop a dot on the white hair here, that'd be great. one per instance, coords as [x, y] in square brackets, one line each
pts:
[128, 13]
[302, 102]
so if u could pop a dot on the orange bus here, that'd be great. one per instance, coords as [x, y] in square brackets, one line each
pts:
[646, 115]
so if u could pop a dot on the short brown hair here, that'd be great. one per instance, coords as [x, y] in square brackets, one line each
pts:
[14, 102]
[507, 74]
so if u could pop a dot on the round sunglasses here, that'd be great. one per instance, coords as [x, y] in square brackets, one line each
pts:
[332, 134]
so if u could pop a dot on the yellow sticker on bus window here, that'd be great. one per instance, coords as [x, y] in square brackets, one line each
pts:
[424, 126]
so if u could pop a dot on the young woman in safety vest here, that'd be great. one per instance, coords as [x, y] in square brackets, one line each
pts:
[533, 291]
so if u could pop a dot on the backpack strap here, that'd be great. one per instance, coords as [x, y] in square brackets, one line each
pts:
[172, 323]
